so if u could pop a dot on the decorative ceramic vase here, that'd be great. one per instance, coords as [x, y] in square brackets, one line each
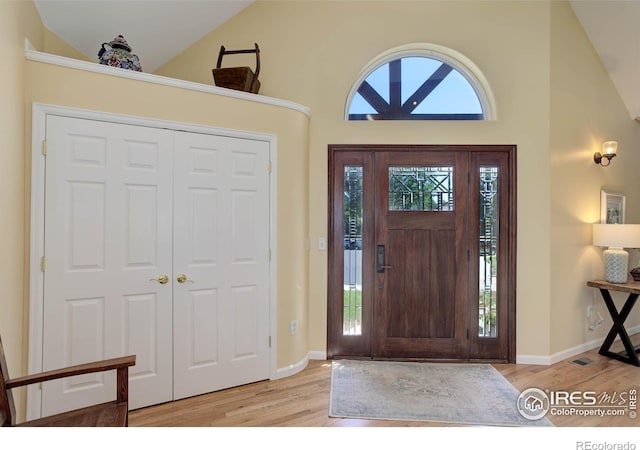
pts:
[119, 55]
[616, 263]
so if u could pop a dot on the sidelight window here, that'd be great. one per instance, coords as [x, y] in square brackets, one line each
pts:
[489, 231]
[352, 226]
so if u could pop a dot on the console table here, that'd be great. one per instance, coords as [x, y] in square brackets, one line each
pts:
[630, 353]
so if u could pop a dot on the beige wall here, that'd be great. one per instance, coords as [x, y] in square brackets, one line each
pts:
[311, 52]
[18, 20]
[586, 110]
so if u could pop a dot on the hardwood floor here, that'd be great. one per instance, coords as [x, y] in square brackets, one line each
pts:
[302, 400]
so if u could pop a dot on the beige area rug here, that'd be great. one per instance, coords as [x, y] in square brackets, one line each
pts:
[473, 394]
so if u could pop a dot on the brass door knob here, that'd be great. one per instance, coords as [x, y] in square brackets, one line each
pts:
[182, 278]
[162, 279]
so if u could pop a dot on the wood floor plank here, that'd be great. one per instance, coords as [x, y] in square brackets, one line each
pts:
[302, 400]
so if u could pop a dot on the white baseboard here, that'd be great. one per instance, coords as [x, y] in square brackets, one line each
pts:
[318, 355]
[538, 360]
[547, 360]
[292, 369]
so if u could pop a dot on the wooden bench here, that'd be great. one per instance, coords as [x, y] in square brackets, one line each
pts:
[110, 414]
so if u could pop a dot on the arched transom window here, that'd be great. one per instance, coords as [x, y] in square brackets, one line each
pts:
[413, 83]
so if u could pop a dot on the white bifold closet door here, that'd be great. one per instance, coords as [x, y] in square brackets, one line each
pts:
[127, 206]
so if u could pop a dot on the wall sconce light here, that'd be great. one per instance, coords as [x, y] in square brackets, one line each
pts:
[609, 150]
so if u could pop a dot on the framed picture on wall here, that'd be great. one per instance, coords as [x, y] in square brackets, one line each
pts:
[612, 206]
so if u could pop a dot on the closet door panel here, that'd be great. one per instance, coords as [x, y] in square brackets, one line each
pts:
[221, 241]
[108, 232]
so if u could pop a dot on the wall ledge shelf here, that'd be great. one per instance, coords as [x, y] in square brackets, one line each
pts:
[48, 58]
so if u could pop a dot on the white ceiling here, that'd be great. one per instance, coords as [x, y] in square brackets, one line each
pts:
[157, 30]
[613, 26]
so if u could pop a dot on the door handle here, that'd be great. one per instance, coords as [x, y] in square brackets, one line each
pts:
[380, 259]
[162, 279]
[182, 278]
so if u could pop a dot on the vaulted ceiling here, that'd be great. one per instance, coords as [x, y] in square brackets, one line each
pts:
[161, 29]
[157, 30]
[613, 27]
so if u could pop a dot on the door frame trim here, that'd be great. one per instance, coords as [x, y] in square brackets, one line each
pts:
[511, 151]
[39, 113]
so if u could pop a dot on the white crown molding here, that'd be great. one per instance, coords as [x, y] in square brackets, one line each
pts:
[48, 58]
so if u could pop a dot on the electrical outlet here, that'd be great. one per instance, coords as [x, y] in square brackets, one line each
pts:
[293, 327]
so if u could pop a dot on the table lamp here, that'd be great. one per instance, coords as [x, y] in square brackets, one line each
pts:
[616, 237]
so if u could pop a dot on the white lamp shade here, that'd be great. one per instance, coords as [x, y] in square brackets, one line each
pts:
[616, 235]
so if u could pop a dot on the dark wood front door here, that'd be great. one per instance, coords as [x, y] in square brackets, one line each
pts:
[421, 252]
